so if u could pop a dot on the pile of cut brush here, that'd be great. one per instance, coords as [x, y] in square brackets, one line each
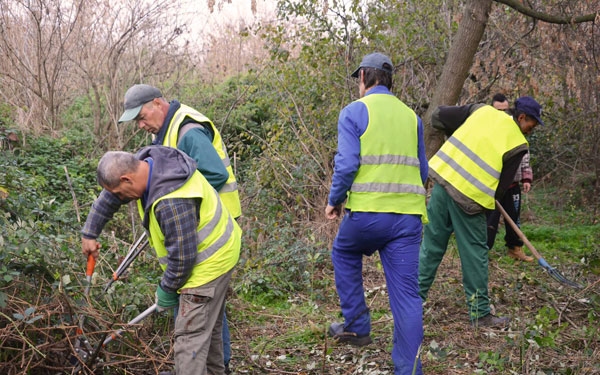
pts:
[58, 333]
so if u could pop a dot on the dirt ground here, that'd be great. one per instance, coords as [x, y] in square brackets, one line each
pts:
[553, 330]
[547, 342]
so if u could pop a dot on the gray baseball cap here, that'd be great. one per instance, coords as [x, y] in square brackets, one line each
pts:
[135, 98]
[375, 60]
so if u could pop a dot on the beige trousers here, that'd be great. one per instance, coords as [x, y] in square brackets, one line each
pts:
[198, 329]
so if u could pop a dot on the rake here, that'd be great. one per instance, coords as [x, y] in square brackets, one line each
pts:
[541, 261]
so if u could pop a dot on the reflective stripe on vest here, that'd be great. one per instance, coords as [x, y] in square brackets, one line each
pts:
[387, 188]
[205, 231]
[219, 236]
[390, 159]
[388, 178]
[471, 159]
[215, 246]
[229, 192]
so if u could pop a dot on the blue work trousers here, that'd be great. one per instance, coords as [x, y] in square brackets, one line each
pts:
[397, 237]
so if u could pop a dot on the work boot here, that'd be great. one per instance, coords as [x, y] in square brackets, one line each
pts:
[490, 321]
[518, 254]
[336, 330]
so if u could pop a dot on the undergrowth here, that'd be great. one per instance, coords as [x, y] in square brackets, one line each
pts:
[282, 294]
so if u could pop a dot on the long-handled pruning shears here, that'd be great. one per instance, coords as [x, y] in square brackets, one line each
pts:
[82, 347]
[89, 271]
[135, 320]
[133, 252]
[84, 353]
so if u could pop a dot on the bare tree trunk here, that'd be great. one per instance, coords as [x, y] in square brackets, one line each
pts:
[459, 61]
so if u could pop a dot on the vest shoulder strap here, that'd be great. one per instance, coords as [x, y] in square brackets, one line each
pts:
[187, 127]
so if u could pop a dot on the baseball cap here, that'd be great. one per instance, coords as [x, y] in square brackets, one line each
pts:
[530, 107]
[135, 98]
[375, 60]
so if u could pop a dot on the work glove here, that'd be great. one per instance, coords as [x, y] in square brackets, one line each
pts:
[165, 300]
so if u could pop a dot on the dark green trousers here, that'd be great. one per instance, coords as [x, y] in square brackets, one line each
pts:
[445, 218]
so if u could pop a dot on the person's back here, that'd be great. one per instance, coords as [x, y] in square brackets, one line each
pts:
[388, 159]
[474, 153]
[380, 168]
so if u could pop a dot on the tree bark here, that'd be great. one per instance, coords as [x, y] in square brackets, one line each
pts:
[457, 66]
[462, 52]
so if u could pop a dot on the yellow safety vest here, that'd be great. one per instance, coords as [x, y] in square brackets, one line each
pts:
[388, 178]
[229, 192]
[219, 236]
[471, 159]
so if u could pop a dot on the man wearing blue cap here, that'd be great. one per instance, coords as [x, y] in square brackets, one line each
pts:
[472, 169]
[380, 169]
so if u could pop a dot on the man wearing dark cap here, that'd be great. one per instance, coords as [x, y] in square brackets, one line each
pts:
[380, 170]
[472, 169]
[178, 126]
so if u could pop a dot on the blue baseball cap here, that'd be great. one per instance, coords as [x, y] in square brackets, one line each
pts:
[530, 107]
[375, 60]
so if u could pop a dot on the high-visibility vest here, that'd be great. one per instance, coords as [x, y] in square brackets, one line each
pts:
[219, 236]
[471, 159]
[229, 192]
[388, 178]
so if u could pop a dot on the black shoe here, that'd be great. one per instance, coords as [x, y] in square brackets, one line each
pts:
[491, 321]
[336, 330]
[227, 369]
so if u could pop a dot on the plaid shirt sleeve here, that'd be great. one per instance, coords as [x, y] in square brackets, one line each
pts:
[526, 171]
[103, 209]
[178, 219]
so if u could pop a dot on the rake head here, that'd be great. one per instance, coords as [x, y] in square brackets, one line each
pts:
[558, 276]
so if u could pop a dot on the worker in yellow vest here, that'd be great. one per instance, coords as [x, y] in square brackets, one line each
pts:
[474, 167]
[174, 124]
[196, 240]
[380, 169]
[180, 126]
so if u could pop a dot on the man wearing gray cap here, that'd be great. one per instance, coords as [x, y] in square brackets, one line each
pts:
[472, 169]
[178, 126]
[380, 169]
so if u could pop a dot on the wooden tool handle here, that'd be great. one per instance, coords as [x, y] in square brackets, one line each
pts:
[518, 231]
